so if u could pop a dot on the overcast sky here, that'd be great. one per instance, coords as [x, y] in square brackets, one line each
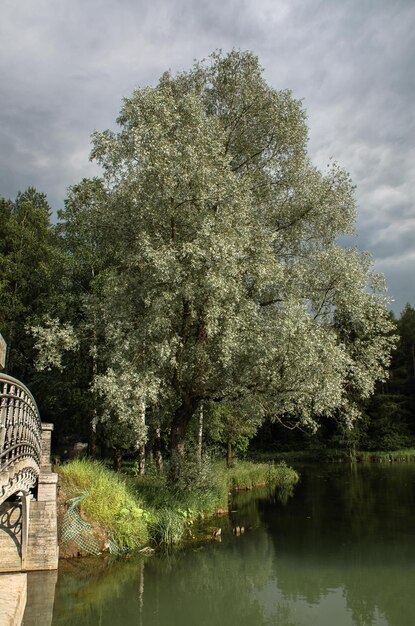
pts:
[66, 64]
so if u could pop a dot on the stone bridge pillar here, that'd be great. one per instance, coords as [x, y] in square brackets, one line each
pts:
[42, 544]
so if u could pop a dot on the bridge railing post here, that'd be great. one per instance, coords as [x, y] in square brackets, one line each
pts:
[46, 486]
[45, 464]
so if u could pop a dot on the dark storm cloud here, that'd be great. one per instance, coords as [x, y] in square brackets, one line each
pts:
[66, 65]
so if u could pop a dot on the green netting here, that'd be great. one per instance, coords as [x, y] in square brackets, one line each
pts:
[76, 529]
[114, 548]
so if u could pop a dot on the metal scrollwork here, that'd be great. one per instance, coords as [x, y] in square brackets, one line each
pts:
[11, 518]
[20, 438]
[11, 521]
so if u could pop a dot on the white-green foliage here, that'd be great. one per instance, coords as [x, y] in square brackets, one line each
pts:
[229, 282]
[124, 398]
[52, 339]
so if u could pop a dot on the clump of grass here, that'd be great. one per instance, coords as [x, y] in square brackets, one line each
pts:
[387, 456]
[246, 475]
[168, 527]
[108, 502]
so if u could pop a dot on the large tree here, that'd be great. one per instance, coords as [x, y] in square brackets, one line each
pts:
[228, 282]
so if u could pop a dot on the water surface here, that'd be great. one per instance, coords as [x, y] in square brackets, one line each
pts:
[340, 552]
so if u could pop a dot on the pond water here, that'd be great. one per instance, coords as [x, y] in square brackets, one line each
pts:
[339, 552]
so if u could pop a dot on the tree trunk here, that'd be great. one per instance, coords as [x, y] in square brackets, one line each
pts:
[177, 448]
[157, 451]
[142, 448]
[229, 455]
[94, 420]
[141, 460]
[181, 420]
[200, 434]
[92, 448]
[117, 459]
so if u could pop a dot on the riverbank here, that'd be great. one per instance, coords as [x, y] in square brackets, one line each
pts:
[336, 456]
[101, 510]
[338, 552]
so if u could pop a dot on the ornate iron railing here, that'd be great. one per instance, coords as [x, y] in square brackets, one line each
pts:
[20, 438]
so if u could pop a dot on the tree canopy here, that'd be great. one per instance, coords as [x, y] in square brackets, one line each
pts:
[226, 281]
[28, 254]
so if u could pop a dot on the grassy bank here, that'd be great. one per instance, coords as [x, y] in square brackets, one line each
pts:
[138, 511]
[312, 456]
[387, 456]
[336, 456]
[106, 501]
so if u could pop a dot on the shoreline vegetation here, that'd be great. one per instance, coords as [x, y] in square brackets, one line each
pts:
[105, 511]
[336, 456]
[122, 512]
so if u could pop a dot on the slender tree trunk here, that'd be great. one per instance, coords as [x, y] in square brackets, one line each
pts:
[117, 459]
[92, 448]
[177, 440]
[157, 451]
[200, 434]
[142, 448]
[94, 420]
[181, 420]
[229, 455]
[141, 460]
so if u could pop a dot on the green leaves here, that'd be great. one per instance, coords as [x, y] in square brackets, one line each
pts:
[215, 243]
[28, 270]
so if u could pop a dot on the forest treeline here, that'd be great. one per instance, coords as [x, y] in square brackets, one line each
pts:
[196, 294]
